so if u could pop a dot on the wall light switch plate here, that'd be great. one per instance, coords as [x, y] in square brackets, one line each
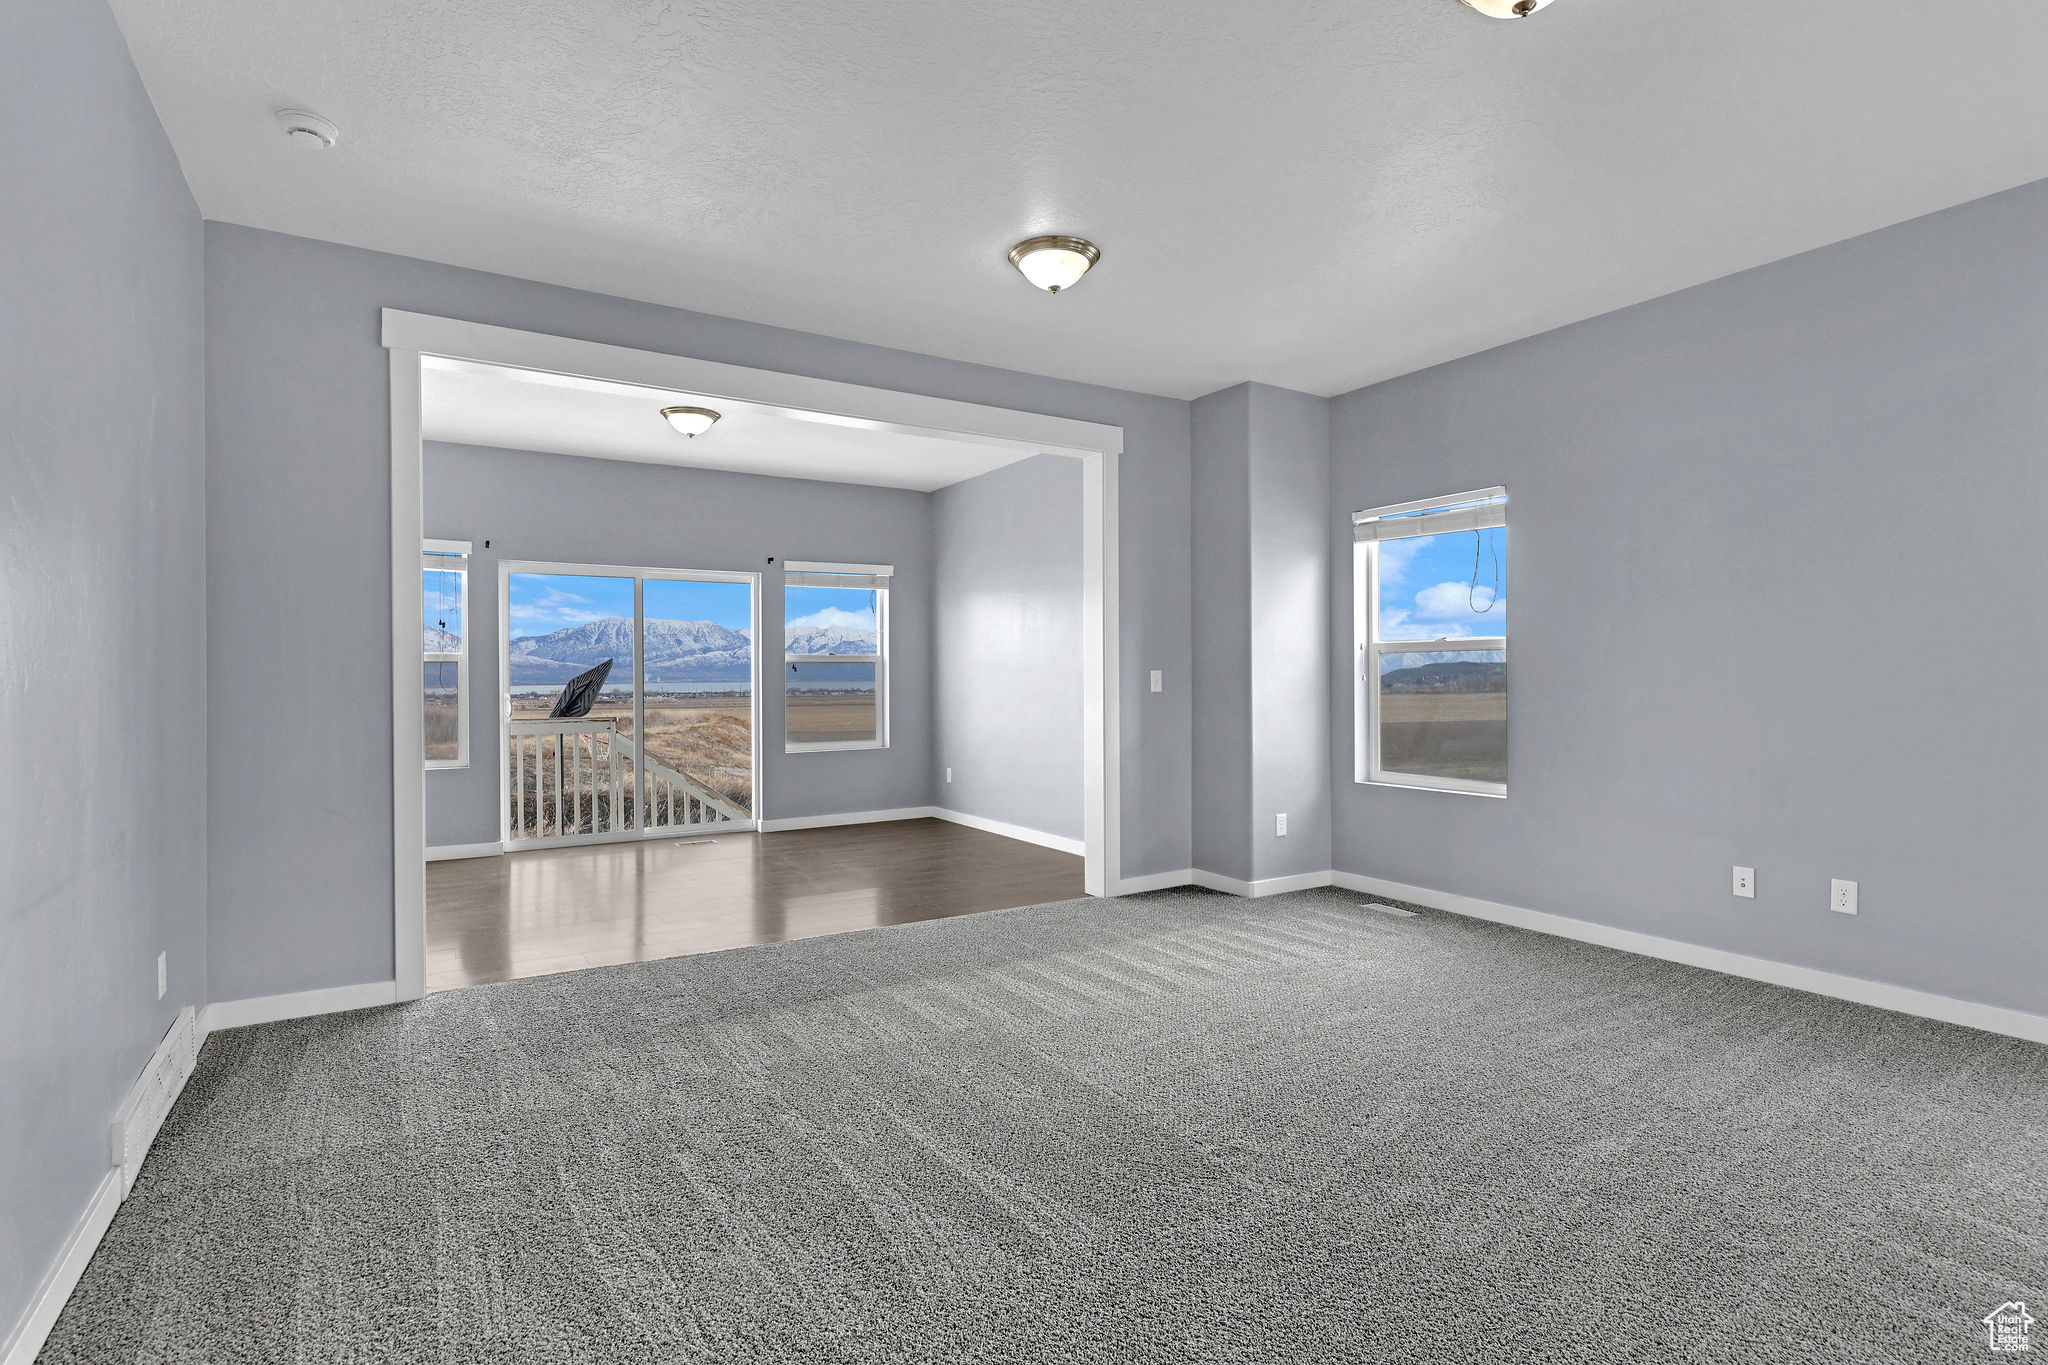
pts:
[1158, 681]
[1280, 825]
[1745, 882]
[1842, 897]
[163, 974]
[949, 774]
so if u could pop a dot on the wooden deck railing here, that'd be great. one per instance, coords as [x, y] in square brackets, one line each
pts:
[576, 777]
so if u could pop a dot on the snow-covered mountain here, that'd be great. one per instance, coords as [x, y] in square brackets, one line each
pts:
[830, 640]
[441, 641]
[677, 651]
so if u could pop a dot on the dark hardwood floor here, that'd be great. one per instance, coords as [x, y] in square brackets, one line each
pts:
[557, 910]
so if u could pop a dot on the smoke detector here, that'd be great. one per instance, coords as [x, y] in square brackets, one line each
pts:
[306, 130]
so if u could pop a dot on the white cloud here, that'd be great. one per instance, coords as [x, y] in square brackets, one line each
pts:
[1459, 602]
[834, 616]
[550, 607]
[1396, 624]
[1396, 555]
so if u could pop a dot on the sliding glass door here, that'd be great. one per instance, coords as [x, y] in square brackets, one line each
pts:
[697, 699]
[628, 702]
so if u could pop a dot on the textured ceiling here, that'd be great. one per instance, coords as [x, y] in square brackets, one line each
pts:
[1307, 193]
[487, 405]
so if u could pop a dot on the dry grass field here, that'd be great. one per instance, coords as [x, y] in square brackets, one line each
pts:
[825, 717]
[443, 728]
[708, 740]
[1445, 734]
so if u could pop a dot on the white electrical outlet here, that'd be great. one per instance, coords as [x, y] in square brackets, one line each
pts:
[1842, 897]
[1280, 825]
[949, 774]
[163, 974]
[1158, 681]
[1745, 882]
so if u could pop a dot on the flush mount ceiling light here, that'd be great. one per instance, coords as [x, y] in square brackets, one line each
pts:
[306, 130]
[1507, 9]
[1054, 263]
[690, 421]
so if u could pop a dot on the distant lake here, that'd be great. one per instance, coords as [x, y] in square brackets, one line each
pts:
[626, 693]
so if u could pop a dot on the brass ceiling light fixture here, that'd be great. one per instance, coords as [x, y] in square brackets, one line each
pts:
[1506, 9]
[1054, 263]
[690, 421]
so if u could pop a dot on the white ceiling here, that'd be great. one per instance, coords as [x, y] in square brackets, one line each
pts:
[1307, 193]
[488, 405]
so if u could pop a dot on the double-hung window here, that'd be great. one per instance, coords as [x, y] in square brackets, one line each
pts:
[1430, 597]
[444, 607]
[835, 656]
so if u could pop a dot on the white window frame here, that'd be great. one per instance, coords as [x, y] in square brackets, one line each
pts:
[1458, 512]
[431, 551]
[880, 661]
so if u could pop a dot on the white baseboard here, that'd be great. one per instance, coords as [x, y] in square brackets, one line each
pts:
[1267, 886]
[1899, 999]
[1077, 847]
[852, 817]
[55, 1291]
[441, 853]
[873, 817]
[151, 1097]
[268, 1009]
[1156, 881]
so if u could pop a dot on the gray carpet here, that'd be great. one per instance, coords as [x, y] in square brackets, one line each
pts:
[1182, 1127]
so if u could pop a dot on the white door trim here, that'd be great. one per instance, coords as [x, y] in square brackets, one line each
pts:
[423, 334]
[408, 720]
[408, 336]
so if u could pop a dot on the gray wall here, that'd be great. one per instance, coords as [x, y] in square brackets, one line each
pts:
[298, 544]
[1221, 679]
[1261, 571]
[1776, 560]
[563, 509]
[1290, 558]
[1007, 700]
[102, 611]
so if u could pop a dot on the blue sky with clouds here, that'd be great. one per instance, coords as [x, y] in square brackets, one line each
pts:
[543, 602]
[853, 607]
[1426, 587]
[729, 604]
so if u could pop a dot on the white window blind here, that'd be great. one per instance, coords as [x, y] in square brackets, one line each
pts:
[811, 578]
[1468, 512]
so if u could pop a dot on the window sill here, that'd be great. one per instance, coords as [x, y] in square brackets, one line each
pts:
[834, 746]
[1498, 793]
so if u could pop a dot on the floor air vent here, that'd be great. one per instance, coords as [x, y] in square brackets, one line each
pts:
[156, 1090]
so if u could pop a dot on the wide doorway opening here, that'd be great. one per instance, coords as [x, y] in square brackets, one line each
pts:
[840, 658]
